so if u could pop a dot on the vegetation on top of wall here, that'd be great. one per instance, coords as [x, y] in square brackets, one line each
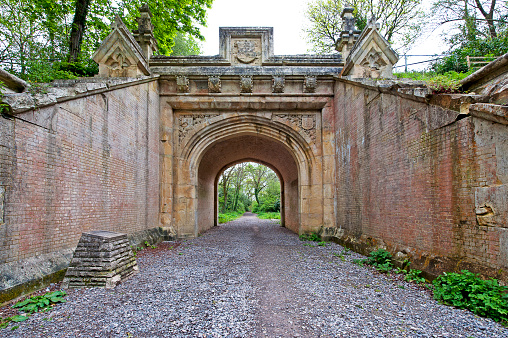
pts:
[448, 82]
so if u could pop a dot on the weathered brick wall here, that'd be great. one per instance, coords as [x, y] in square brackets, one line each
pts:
[406, 178]
[85, 164]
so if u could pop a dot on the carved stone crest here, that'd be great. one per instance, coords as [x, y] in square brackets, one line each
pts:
[310, 84]
[304, 123]
[246, 84]
[190, 121]
[278, 83]
[214, 84]
[182, 83]
[246, 51]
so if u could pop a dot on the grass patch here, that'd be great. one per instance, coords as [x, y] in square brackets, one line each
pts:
[268, 215]
[438, 83]
[229, 216]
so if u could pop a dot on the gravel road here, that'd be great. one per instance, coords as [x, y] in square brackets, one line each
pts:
[252, 278]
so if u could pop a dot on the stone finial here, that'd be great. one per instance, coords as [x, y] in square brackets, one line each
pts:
[144, 33]
[371, 56]
[119, 55]
[246, 84]
[349, 34]
[214, 84]
[348, 20]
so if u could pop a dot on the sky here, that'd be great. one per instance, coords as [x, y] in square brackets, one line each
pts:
[287, 17]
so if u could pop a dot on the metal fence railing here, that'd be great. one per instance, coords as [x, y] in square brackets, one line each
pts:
[408, 61]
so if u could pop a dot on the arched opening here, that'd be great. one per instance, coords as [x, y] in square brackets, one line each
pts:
[243, 148]
[249, 186]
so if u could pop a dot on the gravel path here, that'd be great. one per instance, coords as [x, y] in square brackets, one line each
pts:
[252, 278]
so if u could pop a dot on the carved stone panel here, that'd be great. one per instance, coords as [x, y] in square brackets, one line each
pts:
[306, 123]
[278, 83]
[214, 84]
[182, 83]
[245, 51]
[310, 84]
[189, 122]
[246, 84]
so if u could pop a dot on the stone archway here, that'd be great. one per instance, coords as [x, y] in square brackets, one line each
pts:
[227, 138]
[222, 155]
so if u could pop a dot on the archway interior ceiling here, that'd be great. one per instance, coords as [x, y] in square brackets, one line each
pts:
[247, 147]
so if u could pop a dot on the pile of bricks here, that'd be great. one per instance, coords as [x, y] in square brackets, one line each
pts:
[102, 259]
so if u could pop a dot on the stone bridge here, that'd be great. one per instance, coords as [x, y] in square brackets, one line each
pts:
[362, 159]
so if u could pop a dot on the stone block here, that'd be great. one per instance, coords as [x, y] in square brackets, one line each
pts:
[102, 259]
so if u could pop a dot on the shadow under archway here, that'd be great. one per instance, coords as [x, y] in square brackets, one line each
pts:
[242, 148]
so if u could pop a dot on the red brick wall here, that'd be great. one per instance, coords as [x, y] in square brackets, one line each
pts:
[406, 173]
[91, 165]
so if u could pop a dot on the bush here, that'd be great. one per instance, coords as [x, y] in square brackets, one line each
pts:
[466, 290]
[381, 260]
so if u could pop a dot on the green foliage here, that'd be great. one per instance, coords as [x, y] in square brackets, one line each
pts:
[185, 44]
[361, 261]
[169, 18]
[413, 275]
[456, 61]
[322, 243]
[381, 260]
[41, 303]
[313, 237]
[148, 245]
[448, 82]
[229, 216]
[468, 291]
[268, 215]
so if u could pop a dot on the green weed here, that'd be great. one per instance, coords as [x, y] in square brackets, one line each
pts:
[312, 237]
[467, 290]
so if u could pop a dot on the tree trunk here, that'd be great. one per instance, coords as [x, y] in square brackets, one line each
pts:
[78, 29]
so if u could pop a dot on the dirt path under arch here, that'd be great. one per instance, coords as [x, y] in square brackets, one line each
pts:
[252, 278]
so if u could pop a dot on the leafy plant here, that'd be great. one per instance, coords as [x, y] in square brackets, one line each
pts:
[322, 243]
[360, 262]
[148, 245]
[413, 275]
[41, 303]
[381, 260]
[468, 291]
[313, 237]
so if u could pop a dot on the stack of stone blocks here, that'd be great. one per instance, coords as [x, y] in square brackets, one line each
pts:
[101, 259]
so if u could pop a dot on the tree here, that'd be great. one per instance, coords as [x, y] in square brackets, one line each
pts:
[225, 183]
[476, 28]
[259, 178]
[169, 18]
[400, 20]
[185, 44]
[472, 19]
